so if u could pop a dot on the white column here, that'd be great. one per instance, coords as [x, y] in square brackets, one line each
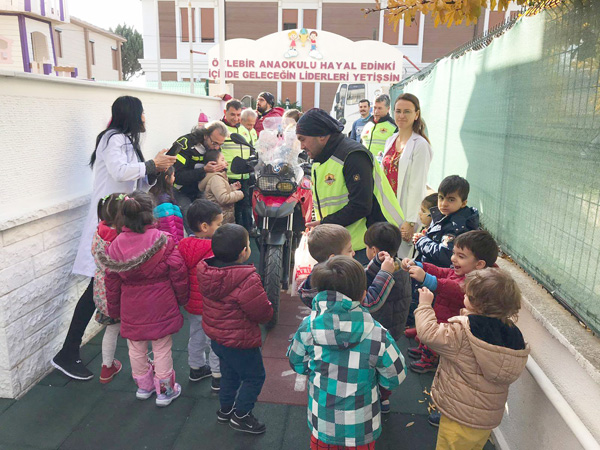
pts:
[319, 27]
[191, 41]
[222, 88]
[158, 67]
[279, 28]
[486, 20]
[381, 21]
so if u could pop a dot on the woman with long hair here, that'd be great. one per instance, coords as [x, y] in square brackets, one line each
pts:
[406, 163]
[118, 166]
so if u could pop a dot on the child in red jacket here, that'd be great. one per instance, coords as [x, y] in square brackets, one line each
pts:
[473, 250]
[146, 282]
[204, 218]
[235, 303]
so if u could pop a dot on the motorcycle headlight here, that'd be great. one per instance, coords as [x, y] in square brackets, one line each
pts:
[267, 184]
[286, 187]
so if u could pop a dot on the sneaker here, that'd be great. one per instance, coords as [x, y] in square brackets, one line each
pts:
[215, 384]
[385, 406]
[225, 417]
[415, 352]
[200, 374]
[72, 368]
[165, 398]
[247, 424]
[143, 394]
[107, 373]
[434, 419]
[410, 333]
[423, 366]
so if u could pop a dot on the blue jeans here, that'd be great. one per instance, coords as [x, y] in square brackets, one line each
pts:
[241, 369]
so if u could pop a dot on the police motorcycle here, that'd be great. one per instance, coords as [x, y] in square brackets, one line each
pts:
[281, 203]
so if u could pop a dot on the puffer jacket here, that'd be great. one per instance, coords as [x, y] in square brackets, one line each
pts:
[234, 303]
[217, 189]
[103, 236]
[479, 358]
[448, 289]
[169, 217]
[146, 282]
[273, 112]
[193, 250]
[436, 247]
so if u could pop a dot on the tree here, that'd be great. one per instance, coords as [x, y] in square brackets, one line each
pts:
[449, 12]
[131, 51]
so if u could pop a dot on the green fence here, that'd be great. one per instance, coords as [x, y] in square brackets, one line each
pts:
[519, 117]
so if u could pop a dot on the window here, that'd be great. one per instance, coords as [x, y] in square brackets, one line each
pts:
[185, 33]
[93, 52]
[115, 58]
[290, 19]
[356, 92]
[58, 42]
[207, 25]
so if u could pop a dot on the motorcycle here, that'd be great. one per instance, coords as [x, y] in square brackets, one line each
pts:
[281, 203]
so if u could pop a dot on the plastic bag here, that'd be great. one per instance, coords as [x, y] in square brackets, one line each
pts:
[303, 264]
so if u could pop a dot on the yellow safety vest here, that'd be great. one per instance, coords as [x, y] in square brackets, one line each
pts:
[230, 150]
[374, 135]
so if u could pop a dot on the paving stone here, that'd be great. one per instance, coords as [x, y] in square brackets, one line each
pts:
[5, 403]
[140, 424]
[298, 435]
[44, 417]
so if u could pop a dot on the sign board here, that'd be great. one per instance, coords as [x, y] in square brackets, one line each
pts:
[307, 55]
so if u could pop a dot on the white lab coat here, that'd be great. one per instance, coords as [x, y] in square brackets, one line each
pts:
[413, 167]
[117, 169]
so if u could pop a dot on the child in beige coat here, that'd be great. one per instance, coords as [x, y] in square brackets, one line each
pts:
[217, 189]
[481, 353]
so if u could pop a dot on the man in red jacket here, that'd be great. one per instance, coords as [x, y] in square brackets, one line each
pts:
[235, 303]
[265, 108]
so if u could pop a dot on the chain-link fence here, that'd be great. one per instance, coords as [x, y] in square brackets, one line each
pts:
[519, 116]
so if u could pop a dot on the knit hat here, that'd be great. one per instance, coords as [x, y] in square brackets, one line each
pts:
[203, 118]
[317, 122]
[269, 98]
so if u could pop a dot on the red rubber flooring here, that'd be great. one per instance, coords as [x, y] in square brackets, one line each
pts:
[283, 385]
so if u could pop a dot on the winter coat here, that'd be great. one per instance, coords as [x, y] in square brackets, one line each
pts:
[103, 236]
[448, 290]
[193, 250]
[379, 286]
[346, 355]
[217, 189]
[117, 169]
[146, 282]
[234, 303]
[273, 112]
[169, 217]
[479, 358]
[393, 312]
[436, 247]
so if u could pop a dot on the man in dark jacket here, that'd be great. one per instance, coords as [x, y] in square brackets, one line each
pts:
[190, 168]
[265, 108]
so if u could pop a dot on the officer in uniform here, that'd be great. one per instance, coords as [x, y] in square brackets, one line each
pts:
[379, 127]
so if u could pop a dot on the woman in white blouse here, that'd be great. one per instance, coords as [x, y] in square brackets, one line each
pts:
[118, 166]
[406, 163]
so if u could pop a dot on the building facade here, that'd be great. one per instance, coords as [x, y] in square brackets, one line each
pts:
[39, 36]
[421, 42]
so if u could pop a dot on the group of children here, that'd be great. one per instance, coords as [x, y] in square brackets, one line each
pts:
[467, 334]
[464, 322]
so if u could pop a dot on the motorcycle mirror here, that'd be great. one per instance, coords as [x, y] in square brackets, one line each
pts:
[239, 139]
[239, 165]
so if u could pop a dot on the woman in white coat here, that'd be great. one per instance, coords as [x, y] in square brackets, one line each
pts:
[406, 163]
[118, 166]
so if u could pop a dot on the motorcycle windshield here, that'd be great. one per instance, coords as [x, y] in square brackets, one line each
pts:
[278, 149]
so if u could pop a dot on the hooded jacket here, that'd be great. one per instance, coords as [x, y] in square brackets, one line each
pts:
[146, 282]
[169, 216]
[479, 358]
[346, 355]
[234, 303]
[193, 250]
[273, 112]
[217, 189]
[103, 236]
[436, 247]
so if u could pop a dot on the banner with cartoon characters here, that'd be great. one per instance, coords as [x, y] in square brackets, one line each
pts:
[307, 55]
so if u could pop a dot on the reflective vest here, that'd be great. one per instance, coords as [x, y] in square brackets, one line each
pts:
[253, 137]
[374, 135]
[231, 150]
[331, 193]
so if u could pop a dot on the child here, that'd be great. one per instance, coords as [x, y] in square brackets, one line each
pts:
[327, 240]
[346, 355]
[425, 214]
[482, 353]
[146, 281]
[474, 250]
[235, 303]
[451, 218]
[167, 212]
[217, 189]
[106, 233]
[204, 218]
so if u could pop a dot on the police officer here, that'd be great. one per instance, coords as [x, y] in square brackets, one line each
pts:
[349, 188]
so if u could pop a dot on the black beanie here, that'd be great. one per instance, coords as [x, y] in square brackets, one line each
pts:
[269, 98]
[317, 122]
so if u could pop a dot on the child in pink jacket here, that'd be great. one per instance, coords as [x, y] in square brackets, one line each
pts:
[146, 282]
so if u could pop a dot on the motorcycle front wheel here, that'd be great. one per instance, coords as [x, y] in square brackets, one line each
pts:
[273, 269]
